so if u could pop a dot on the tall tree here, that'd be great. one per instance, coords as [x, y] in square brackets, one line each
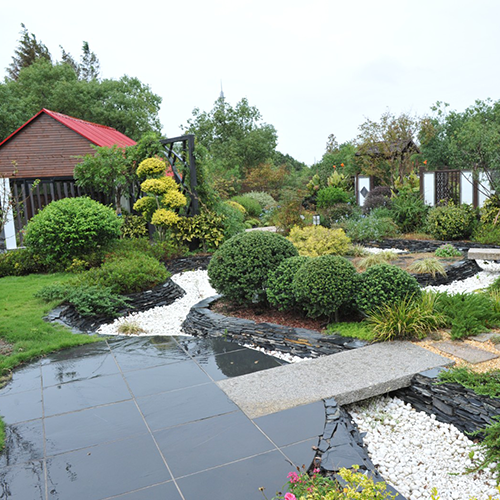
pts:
[89, 68]
[386, 147]
[236, 138]
[125, 104]
[28, 51]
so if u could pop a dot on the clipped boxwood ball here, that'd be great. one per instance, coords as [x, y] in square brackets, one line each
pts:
[279, 283]
[384, 284]
[240, 267]
[324, 284]
[69, 228]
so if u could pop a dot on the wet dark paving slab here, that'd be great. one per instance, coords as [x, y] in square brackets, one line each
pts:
[142, 419]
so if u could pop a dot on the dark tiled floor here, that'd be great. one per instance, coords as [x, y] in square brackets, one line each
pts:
[143, 419]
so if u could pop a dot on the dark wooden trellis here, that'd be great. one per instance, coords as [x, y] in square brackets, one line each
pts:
[447, 186]
[180, 151]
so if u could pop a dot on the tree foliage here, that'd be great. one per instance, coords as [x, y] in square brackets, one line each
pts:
[385, 148]
[236, 138]
[29, 50]
[72, 88]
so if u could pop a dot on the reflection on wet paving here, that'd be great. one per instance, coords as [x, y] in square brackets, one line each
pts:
[149, 413]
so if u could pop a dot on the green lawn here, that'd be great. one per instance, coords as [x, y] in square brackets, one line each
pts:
[23, 328]
[22, 325]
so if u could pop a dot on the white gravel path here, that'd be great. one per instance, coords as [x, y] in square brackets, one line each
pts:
[415, 452]
[167, 320]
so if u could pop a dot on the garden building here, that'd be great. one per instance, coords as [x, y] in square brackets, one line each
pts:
[47, 148]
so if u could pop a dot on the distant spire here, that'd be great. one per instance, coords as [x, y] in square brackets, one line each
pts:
[221, 91]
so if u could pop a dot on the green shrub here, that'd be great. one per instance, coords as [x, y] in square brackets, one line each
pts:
[232, 222]
[314, 241]
[279, 284]
[451, 222]
[467, 313]
[379, 196]
[239, 268]
[20, 263]
[490, 447]
[88, 300]
[264, 199]
[370, 228]
[409, 211]
[96, 301]
[251, 205]
[330, 196]
[335, 214]
[447, 250]
[134, 226]
[207, 229]
[69, 228]
[490, 210]
[486, 384]
[135, 273]
[288, 213]
[324, 284]
[405, 318]
[487, 234]
[383, 285]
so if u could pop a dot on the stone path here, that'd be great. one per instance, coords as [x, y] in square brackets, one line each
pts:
[348, 377]
[465, 351]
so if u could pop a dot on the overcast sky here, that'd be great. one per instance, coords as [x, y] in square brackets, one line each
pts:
[312, 68]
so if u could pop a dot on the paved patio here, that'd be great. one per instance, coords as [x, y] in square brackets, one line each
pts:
[144, 419]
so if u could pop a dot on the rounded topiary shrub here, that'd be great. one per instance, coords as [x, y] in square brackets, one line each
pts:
[330, 196]
[279, 283]
[451, 222]
[239, 268]
[324, 284]
[384, 284]
[71, 227]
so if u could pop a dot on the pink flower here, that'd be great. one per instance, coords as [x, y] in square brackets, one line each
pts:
[290, 496]
[293, 478]
[316, 471]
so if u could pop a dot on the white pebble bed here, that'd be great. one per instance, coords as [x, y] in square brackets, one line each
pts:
[380, 250]
[415, 453]
[167, 320]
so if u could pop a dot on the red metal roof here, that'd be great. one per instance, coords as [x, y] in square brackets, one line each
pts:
[100, 135]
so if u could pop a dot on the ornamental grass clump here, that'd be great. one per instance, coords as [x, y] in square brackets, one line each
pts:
[377, 258]
[239, 269]
[430, 266]
[383, 285]
[324, 284]
[406, 318]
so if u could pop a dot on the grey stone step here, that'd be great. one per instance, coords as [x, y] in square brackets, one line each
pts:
[484, 254]
[466, 352]
[348, 377]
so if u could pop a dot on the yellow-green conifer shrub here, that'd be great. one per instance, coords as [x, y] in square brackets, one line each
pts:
[163, 197]
[236, 205]
[152, 167]
[313, 241]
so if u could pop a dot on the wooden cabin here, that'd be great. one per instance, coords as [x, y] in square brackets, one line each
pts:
[47, 148]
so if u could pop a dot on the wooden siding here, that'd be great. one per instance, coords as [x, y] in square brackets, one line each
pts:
[45, 148]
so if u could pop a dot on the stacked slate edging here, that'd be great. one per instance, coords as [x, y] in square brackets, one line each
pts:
[201, 321]
[456, 271]
[341, 446]
[451, 403]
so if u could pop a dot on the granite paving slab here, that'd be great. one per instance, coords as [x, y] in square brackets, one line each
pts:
[484, 254]
[484, 337]
[348, 376]
[466, 352]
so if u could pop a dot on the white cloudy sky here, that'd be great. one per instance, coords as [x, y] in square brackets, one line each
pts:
[311, 68]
